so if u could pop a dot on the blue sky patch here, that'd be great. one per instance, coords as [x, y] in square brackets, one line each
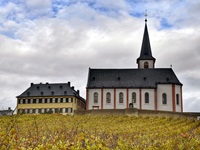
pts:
[164, 24]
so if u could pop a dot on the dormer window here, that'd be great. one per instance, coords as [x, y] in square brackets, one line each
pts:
[52, 93]
[65, 92]
[38, 87]
[42, 93]
[146, 64]
[49, 87]
[28, 93]
[61, 87]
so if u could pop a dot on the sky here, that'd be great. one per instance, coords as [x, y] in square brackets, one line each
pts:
[56, 41]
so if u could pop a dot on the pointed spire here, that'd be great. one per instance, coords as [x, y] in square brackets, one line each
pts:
[145, 53]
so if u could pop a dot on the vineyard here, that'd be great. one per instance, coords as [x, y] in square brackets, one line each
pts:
[59, 132]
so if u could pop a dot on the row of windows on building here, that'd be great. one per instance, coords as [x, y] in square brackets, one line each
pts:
[81, 104]
[108, 97]
[45, 100]
[133, 97]
[45, 110]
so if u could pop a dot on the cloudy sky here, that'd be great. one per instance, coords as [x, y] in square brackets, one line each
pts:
[58, 40]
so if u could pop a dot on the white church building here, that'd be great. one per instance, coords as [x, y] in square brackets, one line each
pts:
[145, 87]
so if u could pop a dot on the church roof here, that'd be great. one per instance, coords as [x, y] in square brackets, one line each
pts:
[145, 53]
[131, 78]
[53, 89]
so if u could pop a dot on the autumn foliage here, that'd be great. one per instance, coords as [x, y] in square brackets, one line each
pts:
[59, 132]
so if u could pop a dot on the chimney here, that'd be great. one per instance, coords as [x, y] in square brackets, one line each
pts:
[32, 84]
[72, 87]
[69, 84]
[9, 108]
[78, 92]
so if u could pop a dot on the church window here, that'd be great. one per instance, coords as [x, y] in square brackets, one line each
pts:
[146, 97]
[164, 98]
[108, 97]
[121, 97]
[146, 64]
[133, 97]
[177, 99]
[95, 97]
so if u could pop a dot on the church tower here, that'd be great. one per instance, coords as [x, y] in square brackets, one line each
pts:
[146, 60]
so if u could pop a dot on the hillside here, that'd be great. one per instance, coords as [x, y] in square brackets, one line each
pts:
[98, 132]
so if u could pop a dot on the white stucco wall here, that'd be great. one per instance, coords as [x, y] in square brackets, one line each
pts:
[164, 88]
[137, 91]
[178, 91]
[121, 105]
[151, 104]
[111, 104]
[91, 98]
[141, 63]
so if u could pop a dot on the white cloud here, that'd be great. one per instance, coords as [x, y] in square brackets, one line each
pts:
[79, 36]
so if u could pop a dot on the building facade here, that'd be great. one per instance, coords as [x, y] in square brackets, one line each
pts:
[145, 87]
[50, 98]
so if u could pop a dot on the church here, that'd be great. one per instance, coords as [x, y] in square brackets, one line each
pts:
[145, 88]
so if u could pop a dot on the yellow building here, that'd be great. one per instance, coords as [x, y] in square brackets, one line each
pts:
[50, 98]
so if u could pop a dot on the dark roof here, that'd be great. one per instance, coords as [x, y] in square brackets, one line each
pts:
[50, 89]
[130, 78]
[6, 112]
[145, 53]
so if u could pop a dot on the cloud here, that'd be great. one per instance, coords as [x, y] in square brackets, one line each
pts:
[57, 41]
[38, 4]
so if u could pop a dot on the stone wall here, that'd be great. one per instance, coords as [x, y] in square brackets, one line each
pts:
[137, 112]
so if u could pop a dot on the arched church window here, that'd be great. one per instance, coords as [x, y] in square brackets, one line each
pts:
[121, 97]
[146, 64]
[95, 97]
[133, 97]
[177, 99]
[146, 95]
[108, 97]
[164, 98]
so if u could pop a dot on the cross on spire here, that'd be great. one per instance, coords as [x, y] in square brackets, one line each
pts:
[145, 15]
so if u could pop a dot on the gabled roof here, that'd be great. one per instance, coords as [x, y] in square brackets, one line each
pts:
[50, 89]
[130, 78]
[145, 53]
